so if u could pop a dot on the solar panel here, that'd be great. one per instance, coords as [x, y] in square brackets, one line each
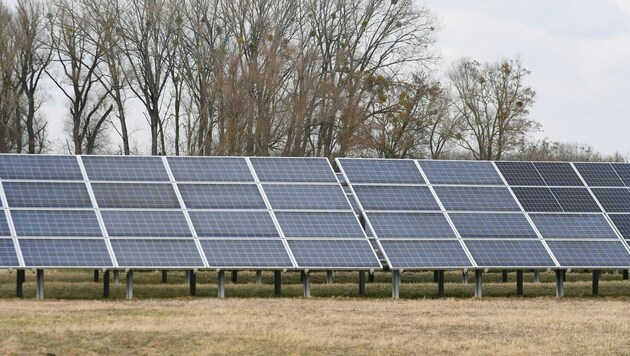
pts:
[156, 253]
[622, 222]
[334, 254]
[47, 195]
[461, 172]
[537, 199]
[574, 226]
[520, 173]
[246, 253]
[488, 225]
[125, 168]
[509, 253]
[135, 196]
[233, 224]
[558, 174]
[39, 167]
[476, 198]
[425, 254]
[289, 169]
[389, 171]
[146, 223]
[61, 253]
[210, 169]
[307, 197]
[320, 225]
[221, 196]
[613, 200]
[590, 253]
[45, 223]
[410, 225]
[352, 199]
[599, 174]
[623, 171]
[4, 226]
[396, 198]
[577, 200]
[8, 256]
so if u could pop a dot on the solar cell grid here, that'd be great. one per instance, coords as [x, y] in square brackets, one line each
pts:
[156, 253]
[135, 196]
[558, 174]
[520, 173]
[461, 172]
[319, 225]
[44, 223]
[39, 167]
[221, 196]
[599, 174]
[246, 253]
[396, 198]
[125, 168]
[47, 195]
[153, 223]
[537, 199]
[233, 224]
[509, 253]
[590, 253]
[479, 225]
[575, 200]
[316, 197]
[574, 226]
[65, 253]
[334, 254]
[623, 171]
[425, 253]
[613, 200]
[457, 198]
[4, 226]
[410, 225]
[8, 255]
[210, 169]
[389, 171]
[289, 169]
[622, 222]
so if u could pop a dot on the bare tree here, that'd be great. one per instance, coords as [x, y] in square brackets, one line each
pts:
[492, 103]
[9, 88]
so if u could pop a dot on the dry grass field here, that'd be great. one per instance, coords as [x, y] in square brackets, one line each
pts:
[164, 320]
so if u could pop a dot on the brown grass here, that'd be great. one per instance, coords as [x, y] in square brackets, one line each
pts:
[316, 326]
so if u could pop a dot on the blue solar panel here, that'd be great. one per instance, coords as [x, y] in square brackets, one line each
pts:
[574, 226]
[613, 200]
[396, 198]
[461, 172]
[65, 253]
[558, 174]
[578, 200]
[316, 197]
[520, 173]
[289, 169]
[425, 254]
[334, 254]
[44, 223]
[476, 198]
[47, 195]
[388, 171]
[352, 199]
[537, 199]
[160, 253]
[622, 222]
[39, 167]
[145, 223]
[4, 226]
[233, 224]
[623, 171]
[221, 196]
[410, 225]
[8, 256]
[210, 169]
[246, 254]
[479, 225]
[509, 253]
[590, 253]
[320, 224]
[125, 168]
[135, 196]
[599, 174]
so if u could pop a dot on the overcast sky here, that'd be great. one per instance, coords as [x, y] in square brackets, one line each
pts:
[577, 50]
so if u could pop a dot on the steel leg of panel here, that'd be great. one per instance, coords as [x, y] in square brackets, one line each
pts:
[164, 276]
[106, 284]
[519, 282]
[504, 276]
[465, 277]
[258, 277]
[193, 283]
[536, 276]
[277, 282]
[130, 284]
[371, 277]
[307, 284]
[221, 284]
[435, 276]
[234, 276]
[116, 277]
[396, 284]
[40, 284]
[559, 283]
[597, 275]
[96, 276]
[625, 274]
[361, 283]
[478, 283]
[329, 277]
[19, 285]
[441, 284]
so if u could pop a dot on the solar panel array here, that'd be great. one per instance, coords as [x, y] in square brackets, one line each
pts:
[177, 212]
[480, 214]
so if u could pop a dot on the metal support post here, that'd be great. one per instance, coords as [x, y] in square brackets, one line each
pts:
[187, 277]
[307, 284]
[536, 276]
[329, 277]
[258, 277]
[130, 284]
[519, 282]
[96, 276]
[435, 276]
[116, 277]
[465, 277]
[597, 275]
[277, 282]
[625, 275]
[396, 284]
[559, 283]
[478, 283]
[221, 284]
[193, 283]
[362, 283]
[40, 284]
[441, 283]
[504, 276]
[371, 277]
[164, 276]
[19, 287]
[106, 284]
[234, 276]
